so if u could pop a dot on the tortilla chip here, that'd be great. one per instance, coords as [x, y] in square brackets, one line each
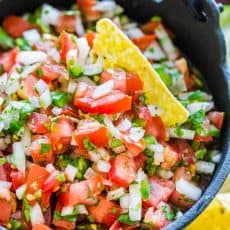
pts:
[119, 51]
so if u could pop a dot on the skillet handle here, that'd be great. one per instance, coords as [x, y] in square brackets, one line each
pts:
[197, 10]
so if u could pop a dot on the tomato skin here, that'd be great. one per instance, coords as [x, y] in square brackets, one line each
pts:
[15, 26]
[8, 59]
[140, 161]
[93, 130]
[17, 179]
[181, 201]
[135, 148]
[5, 171]
[6, 209]
[39, 123]
[51, 182]
[123, 170]
[95, 185]
[86, 7]
[182, 172]
[156, 128]
[143, 42]
[36, 148]
[41, 227]
[66, 44]
[105, 212]
[66, 23]
[134, 83]
[217, 118]
[198, 138]
[161, 190]
[90, 36]
[150, 26]
[115, 226]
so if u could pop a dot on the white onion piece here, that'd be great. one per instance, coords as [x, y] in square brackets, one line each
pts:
[31, 57]
[20, 191]
[105, 6]
[154, 110]
[185, 133]
[54, 54]
[188, 189]
[134, 33]
[166, 174]
[112, 129]
[32, 36]
[49, 15]
[67, 210]
[89, 173]
[3, 81]
[19, 158]
[83, 51]
[185, 96]
[94, 156]
[115, 194]
[5, 184]
[50, 168]
[36, 215]
[196, 106]
[85, 81]
[45, 99]
[93, 69]
[81, 209]
[72, 55]
[72, 86]
[140, 175]
[103, 166]
[104, 155]
[35, 101]
[12, 85]
[119, 149]
[205, 167]
[103, 89]
[26, 140]
[56, 110]
[154, 52]
[5, 193]
[71, 172]
[130, 25]
[124, 201]
[215, 156]
[158, 150]
[124, 125]
[136, 133]
[41, 86]
[27, 70]
[135, 203]
[79, 28]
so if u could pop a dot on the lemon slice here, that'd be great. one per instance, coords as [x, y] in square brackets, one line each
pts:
[120, 52]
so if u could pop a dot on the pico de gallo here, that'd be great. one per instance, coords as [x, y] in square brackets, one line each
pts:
[80, 146]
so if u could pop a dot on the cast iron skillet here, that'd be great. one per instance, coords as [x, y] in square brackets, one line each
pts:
[198, 35]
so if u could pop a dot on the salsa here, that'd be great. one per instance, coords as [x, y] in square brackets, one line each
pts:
[81, 147]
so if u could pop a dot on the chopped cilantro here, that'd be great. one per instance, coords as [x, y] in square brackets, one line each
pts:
[40, 72]
[59, 99]
[45, 148]
[168, 214]
[99, 117]
[178, 131]
[151, 50]
[60, 177]
[15, 225]
[137, 122]
[27, 209]
[145, 189]
[75, 70]
[2, 160]
[200, 154]
[115, 143]
[150, 140]
[151, 169]
[196, 96]
[88, 144]
[124, 219]
[142, 98]
[6, 41]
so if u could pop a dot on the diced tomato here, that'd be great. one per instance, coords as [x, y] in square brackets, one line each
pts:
[189, 82]
[143, 42]
[115, 226]
[90, 35]
[86, 7]
[15, 26]
[95, 184]
[68, 110]
[171, 157]
[134, 83]
[150, 26]
[143, 111]
[114, 102]
[123, 170]
[26, 89]
[51, 72]
[93, 130]
[61, 134]
[181, 200]
[105, 212]
[198, 138]
[5, 171]
[77, 193]
[35, 178]
[135, 148]
[8, 59]
[156, 218]
[41, 227]
[39, 123]
[161, 190]
[182, 172]
[140, 161]
[41, 150]
[66, 23]
[156, 128]
[66, 44]
[51, 182]
[6, 209]
[17, 179]
[217, 118]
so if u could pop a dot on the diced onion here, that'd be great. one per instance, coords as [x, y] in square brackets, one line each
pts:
[158, 150]
[5, 194]
[124, 125]
[50, 168]
[205, 167]
[89, 173]
[41, 86]
[115, 194]
[124, 201]
[185, 96]
[136, 133]
[3, 81]
[93, 69]
[140, 175]
[166, 174]
[5, 184]
[104, 155]
[154, 110]
[56, 110]
[45, 99]
[79, 28]
[94, 156]
[83, 49]
[34, 101]
[82, 209]
[86, 81]
[26, 140]
[135, 203]
[103, 89]
[188, 189]
[54, 54]
[72, 86]
[119, 149]
[49, 15]
[103, 166]
[72, 55]
[134, 33]
[215, 156]
[154, 52]
[27, 70]
[32, 36]
[105, 6]
[67, 210]
[20, 191]
[71, 172]
[112, 129]
[196, 106]
[36, 215]
[19, 158]
[185, 133]
[31, 57]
